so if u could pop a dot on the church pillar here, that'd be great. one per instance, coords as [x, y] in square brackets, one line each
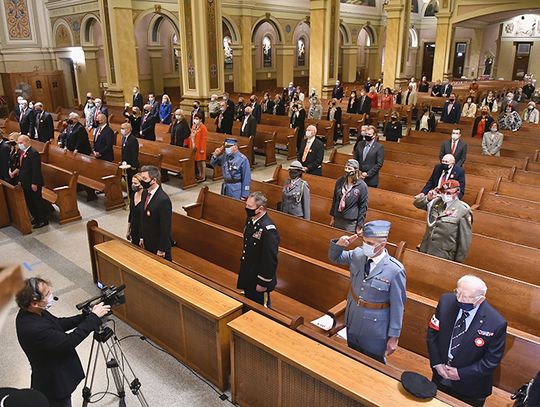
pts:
[156, 64]
[88, 76]
[243, 59]
[284, 64]
[373, 64]
[474, 53]
[201, 50]
[443, 46]
[348, 64]
[397, 35]
[120, 52]
[324, 45]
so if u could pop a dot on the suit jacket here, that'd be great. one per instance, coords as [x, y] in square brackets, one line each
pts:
[138, 101]
[179, 132]
[423, 87]
[298, 121]
[365, 107]
[148, 127]
[337, 92]
[45, 127]
[446, 90]
[77, 139]
[337, 116]
[56, 367]
[30, 172]
[268, 106]
[373, 162]
[5, 151]
[456, 173]
[257, 112]
[480, 351]
[454, 115]
[251, 127]
[156, 222]
[460, 154]
[155, 109]
[104, 143]
[354, 107]
[436, 90]
[130, 150]
[314, 158]
[25, 123]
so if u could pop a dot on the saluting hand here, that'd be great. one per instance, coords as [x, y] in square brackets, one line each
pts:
[345, 241]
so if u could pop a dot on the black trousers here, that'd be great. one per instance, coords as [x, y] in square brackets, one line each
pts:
[60, 403]
[34, 202]
[469, 400]
[261, 298]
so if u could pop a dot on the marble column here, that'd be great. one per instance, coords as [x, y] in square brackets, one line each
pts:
[324, 45]
[88, 77]
[471, 70]
[350, 53]
[243, 58]
[373, 63]
[119, 47]
[284, 64]
[397, 34]
[156, 64]
[201, 50]
[443, 46]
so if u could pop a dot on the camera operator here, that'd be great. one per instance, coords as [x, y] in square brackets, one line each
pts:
[56, 368]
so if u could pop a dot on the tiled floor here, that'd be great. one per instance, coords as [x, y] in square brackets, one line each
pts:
[61, 255]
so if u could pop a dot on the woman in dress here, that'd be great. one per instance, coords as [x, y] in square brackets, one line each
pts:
[135, 211]
[197, 140]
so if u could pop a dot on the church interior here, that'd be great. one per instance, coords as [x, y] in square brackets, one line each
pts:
[189, 335]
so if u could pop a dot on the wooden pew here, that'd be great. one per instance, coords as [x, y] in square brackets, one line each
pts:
[325, 128]
[297, 371]
[94, 174]
[5, 219]
[13, 199]
[186, 317]
[216, 140]
[509, 206]
[514, 189]
[60, 189]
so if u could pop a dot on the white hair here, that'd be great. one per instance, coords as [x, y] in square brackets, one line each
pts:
[480, 288]
[74, 115]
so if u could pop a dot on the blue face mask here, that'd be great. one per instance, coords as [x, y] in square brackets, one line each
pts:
[228, 150]
[465, 306]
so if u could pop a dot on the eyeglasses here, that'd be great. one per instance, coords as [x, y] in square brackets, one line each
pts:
[459, 295]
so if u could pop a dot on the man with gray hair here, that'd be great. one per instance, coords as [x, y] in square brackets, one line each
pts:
[311, 152]
[42, 127]
[75, 137]
[257, 276]
[466, 339]
[25, 118]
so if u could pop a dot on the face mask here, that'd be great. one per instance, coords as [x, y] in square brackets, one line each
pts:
[70, 121]
[146, 184]
[445, 167]
[350, 173]
[196, 122]
[252, 100]
[494, 129]
[293, 174]
[90, 104]
[151, 101]
[177, 116]
[363, 134]
[394, 118]
[39, 110]
[146, 111]
[98, 104]
[251, 212]
[135, 91]
[451, 99]
[123, 132]
[22, 147]
[195, 106]
[228, 150]
[368, 138]
[136, 188]
[530, 108]
[455, 136]
[368, 249]
[88, 98]
[224, 98]
[447, 198]
[465, 306]
[50, 302]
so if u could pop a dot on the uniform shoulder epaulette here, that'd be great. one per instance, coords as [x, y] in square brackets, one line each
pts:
[242, 155]
[397, 263]
[270, 227]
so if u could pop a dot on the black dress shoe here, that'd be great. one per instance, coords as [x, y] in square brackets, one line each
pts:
[41, 224]
[35, 221]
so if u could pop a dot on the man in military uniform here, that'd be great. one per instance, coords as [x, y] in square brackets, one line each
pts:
[257, 276]
[236, 170]
[449, 222]
[374, 314]
[295, 199]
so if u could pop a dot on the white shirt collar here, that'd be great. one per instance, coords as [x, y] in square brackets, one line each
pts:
[376, 260]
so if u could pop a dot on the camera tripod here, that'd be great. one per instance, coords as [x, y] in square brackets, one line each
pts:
[106, 343]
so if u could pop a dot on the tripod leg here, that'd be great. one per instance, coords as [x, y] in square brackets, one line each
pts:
[87, 390]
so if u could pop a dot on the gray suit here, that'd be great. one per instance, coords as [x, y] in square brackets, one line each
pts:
[368, 329]
[492, 143]
[373, 162]
[295, 199]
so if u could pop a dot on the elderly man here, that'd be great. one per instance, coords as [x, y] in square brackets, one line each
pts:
[42, 124]
[100, 109]
[509, 100]
[377, 295]
[442, 172]
[370, 155]
[130, 151]
[75, 137]
[449, 222]
[26, 117]
[466, 339]
[257, 276]
[311, 152]
[104, 140]
[456, 147]
[236, 169]
[148, 124]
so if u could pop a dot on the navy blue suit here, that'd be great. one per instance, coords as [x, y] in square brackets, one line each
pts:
[456, 173]
[454, 115]
[480, 352]
[104, 143]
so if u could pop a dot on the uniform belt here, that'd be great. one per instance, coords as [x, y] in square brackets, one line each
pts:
[364, 304]
[232, 181]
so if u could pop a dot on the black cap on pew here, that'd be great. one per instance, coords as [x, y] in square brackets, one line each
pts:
[418, 385]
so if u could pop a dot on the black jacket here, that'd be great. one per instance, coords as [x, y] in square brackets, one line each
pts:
[56, 367]
[130, 150]
[135, 122]
[5, 151]
[480, 351]
[251, 127]
[356, 201]
[337, 116]
[456, 173]
[179, 132]
[373, 162]
[279, 108]
[354, 107]
[260, 258]
[337, 92]
[314, 158]
[257, 111]
[138, 101]
[436, 90]
[454, 115]
[76, 138]
[423, 87]
[156, 222]
[26, 121]
[45, 127]
[268, 106]
[298, 121]
[393, 131]
[104, 143]
[30, 172]
[364, 106]
[460, 154]
[431, 122]
[446, 90]
[148, 127]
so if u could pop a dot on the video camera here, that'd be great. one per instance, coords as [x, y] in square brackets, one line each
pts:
[109, 296]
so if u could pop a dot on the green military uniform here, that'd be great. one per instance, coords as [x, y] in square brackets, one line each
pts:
[449, 228]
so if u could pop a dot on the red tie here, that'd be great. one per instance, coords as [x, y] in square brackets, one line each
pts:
[20, 159]
[147, 200]
[453, 147]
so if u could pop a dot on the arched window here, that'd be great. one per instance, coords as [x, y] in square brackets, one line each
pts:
[267, 51]
[228, 52]
[301, 52]
[176, 52]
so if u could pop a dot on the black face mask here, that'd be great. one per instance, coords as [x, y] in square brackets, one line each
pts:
[70, 121]
[394, 118]
[293, 174]
[251, 212]
[136, 188]
[368, 138]
[451, 100]
[195, 106]
[350, 173]
[146, 184]
[146, 111]
[12, 143]
[445, 167]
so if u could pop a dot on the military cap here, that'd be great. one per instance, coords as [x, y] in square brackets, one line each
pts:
[377, 228]
[418, 385]
[10, 397]
[231, 141]
[353, 163]
[297, 165]
[450, 184]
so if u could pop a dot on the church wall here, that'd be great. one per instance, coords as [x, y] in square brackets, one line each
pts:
[489, 45]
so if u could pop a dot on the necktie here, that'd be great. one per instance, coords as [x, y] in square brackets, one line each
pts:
[362, 104]
[22, 115]
[407, 98]
[306, 151]
[98, 132]
[367, 268]
[147, 200]
[457, 333]
[453, 147]
[366, 151]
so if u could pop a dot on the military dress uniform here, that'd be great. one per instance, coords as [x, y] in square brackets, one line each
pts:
[236, 174]
[295, 199]
[375, 302]
[449, 228]
[259, 259]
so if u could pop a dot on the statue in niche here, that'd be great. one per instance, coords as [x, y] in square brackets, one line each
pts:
[267, 52]
[488, 66]
[227, 52]
[301, 55]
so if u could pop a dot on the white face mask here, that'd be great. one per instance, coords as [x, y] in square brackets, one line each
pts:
[123, 131]
[447, 198]
[50, 302]
[177, 116]
[455, 136]
[22, 147]
[369, 250]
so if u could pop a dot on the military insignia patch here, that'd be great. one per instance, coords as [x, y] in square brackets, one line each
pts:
[479, 342]
[257, 235]
[434, 323]
[485, 333]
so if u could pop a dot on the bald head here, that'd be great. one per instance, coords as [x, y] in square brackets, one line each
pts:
[73, 116]
[248, 110]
